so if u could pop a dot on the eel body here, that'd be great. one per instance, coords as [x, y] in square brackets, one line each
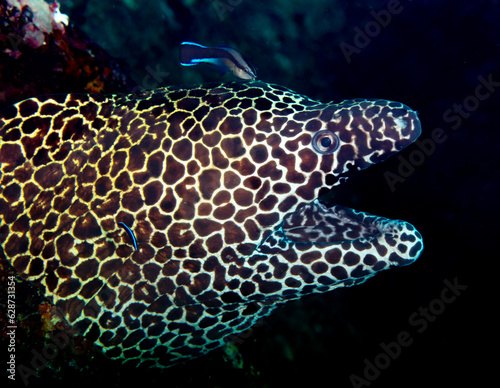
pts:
[159, 224]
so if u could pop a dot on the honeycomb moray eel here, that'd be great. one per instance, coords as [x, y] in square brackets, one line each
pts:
[162, 223]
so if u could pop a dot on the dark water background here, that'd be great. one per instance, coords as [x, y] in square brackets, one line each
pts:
[432, 56]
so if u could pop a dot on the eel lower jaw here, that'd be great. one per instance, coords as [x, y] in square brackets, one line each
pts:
[325, 225]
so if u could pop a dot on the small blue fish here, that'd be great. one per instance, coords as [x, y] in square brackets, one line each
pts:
[130, 233]
[223, 58]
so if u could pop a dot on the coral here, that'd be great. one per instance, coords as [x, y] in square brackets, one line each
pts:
[43, 20]
[37, 39]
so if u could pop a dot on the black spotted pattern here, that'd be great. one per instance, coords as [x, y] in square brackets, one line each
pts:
[217, 184]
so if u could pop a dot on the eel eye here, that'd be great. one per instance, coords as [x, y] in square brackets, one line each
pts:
[325, 142]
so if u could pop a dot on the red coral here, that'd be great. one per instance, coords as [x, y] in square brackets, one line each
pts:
[43, 20]
[36, 39]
